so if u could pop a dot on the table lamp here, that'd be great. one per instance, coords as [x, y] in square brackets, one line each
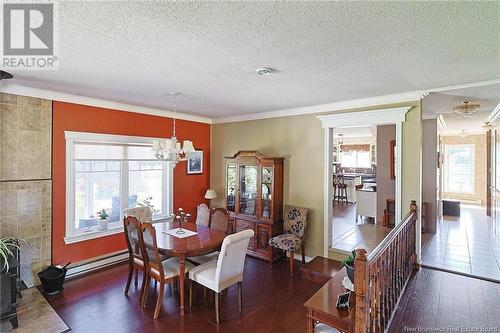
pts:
[210, 194]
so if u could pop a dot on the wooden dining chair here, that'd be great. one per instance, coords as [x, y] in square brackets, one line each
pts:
[203, 215]
[224, 272]
[142, 213]
[163, 272]
[219, 220]
[135, 258]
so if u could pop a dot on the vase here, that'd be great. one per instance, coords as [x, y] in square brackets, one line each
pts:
[103, 224]
[350, 272]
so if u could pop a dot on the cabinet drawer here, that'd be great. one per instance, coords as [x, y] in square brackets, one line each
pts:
[241, 225]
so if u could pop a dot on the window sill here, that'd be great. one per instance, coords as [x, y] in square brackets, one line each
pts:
[93, 234]
[84, 236]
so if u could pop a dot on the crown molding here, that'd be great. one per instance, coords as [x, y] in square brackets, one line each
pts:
[494, 114]
[463, 86]
[329, 107]
[96, 102]
[405, 97]
[362, 118]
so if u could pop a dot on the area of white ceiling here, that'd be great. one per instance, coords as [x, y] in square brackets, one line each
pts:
[134, 52]
[442, 103]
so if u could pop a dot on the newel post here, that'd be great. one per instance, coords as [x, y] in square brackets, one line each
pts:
[361, 289]
[415, 256]
[413, 206]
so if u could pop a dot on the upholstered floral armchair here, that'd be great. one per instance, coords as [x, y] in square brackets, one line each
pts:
[294, 230]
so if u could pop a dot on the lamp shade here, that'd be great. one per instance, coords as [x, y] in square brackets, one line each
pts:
[210, 194]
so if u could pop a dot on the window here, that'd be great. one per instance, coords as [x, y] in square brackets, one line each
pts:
[113, 173]
[459, 168]
[355, 159]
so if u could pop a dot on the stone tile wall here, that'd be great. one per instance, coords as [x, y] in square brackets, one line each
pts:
[25, 179]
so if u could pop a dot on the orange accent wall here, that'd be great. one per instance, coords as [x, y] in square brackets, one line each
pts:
[188, 189]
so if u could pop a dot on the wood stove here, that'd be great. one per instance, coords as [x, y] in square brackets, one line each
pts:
[9, 290]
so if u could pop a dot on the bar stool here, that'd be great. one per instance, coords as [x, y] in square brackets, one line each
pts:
[339, 189]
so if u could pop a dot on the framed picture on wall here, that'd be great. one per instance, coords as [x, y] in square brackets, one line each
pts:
[194, 164]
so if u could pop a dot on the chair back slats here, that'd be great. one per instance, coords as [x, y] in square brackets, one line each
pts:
[132, 226]
[219, 220]
[150, 247]
[232, 256]
[295, 220]
[203, 215]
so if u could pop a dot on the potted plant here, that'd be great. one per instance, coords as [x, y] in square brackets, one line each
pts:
[348, 262]
[103, 219]
[7, 246]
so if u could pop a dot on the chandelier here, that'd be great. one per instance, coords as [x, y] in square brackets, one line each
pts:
[170, 150]
[466, 109]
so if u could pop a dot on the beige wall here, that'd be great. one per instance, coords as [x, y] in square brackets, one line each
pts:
[429, 170]
[479, 141]
[386, 187]
[300, 139]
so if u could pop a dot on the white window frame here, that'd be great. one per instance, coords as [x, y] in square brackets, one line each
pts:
[167, 174]
[472, 147]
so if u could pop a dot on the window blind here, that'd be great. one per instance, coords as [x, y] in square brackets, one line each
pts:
[112, 152]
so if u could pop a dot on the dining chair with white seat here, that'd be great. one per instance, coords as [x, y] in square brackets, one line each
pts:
[136, 261]
[224, 272]
[162, 271]
[203, 215]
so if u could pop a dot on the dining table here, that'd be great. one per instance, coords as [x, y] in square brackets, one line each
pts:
[205, 241]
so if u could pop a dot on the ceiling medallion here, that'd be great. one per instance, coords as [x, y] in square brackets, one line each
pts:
[466, 109]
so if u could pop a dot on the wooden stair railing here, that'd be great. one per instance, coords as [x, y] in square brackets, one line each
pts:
[380, 278]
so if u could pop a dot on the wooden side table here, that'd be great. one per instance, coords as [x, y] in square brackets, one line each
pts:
[322, 306]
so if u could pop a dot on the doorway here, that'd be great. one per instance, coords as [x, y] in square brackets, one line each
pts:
[363, 186]
[464, 238]
[340, 122]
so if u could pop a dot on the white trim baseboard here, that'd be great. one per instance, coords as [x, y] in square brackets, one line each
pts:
[88, 266]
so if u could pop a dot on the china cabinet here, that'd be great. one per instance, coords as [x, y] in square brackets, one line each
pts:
[254, 199]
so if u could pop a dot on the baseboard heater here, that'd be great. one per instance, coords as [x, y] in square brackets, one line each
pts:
[87, 266]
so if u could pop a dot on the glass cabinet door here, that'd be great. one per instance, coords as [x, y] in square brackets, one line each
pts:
[266, 192]
[248, 189]
[231, 187]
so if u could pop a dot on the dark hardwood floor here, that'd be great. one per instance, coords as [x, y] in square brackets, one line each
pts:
[436, 301]
[272, 302]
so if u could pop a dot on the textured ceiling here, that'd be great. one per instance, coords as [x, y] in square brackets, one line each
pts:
[135, 52]
[488, 97]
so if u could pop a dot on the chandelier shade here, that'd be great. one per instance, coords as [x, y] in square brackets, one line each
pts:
[170, 150]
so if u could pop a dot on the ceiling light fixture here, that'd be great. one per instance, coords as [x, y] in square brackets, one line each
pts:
[264, 71]
[169, 149]
[466, 109]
